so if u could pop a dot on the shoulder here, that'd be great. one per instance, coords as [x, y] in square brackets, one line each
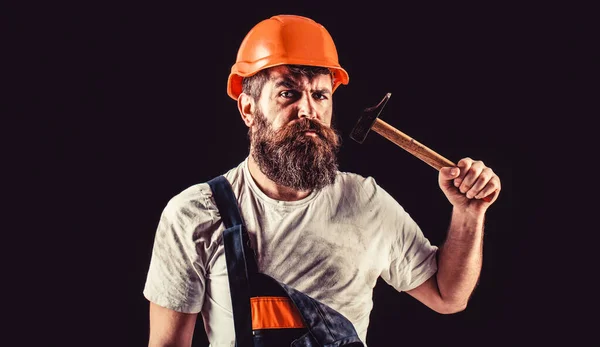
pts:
[195, 204]
[350, 182]
[192, 205]
[363, 189]
[351, 179]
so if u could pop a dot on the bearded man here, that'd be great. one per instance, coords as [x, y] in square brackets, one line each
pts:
[327, 233]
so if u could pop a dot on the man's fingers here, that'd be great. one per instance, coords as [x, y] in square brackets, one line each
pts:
[464, 165]
[470, 176]
[482, 180]
[492, 186]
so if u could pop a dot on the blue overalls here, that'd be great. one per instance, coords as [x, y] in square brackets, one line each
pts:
[267, 312]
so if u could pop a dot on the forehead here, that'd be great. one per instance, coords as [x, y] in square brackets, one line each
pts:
[281, 76]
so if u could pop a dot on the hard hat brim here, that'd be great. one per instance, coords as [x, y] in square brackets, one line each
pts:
[234, 82]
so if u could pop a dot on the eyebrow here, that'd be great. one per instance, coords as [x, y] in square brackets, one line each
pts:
[290, 83]
[287, 83]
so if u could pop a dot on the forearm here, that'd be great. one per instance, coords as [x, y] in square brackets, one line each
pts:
[460, 259]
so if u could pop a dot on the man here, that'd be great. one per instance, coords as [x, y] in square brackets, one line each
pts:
[327, 233]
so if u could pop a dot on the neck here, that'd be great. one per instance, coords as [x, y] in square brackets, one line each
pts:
[272, 189]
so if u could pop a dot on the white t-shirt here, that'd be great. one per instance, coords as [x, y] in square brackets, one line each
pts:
[332, 245]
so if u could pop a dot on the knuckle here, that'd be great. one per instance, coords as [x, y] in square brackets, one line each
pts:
[465, 161]
[486, 175]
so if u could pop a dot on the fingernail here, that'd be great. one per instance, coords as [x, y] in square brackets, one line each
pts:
[454, 171]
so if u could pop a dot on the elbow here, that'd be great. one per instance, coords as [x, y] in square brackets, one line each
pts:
[451, 308]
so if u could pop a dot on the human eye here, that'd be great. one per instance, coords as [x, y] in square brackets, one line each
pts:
[320, 96]
[287, 94]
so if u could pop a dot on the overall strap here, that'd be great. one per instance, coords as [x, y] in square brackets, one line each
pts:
[226, 201]
[239, 257]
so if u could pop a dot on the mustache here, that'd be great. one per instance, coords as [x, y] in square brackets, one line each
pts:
[305, 124]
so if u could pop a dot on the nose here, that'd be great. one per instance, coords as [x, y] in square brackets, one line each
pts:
[306, 107]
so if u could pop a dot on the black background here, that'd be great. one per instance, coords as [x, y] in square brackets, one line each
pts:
[132, 108]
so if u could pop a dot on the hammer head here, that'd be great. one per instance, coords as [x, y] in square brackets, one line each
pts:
[368, 118]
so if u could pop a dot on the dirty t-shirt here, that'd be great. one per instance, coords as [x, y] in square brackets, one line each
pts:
[332, 245]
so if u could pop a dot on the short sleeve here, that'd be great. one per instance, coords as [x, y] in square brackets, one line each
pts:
[176, 274]
[413, 257]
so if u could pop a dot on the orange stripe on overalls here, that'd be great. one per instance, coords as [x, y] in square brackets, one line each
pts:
[274, 312]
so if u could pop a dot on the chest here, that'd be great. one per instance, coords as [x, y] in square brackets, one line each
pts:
[315, 251]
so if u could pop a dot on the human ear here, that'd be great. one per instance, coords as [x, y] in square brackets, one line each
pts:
[246, 106]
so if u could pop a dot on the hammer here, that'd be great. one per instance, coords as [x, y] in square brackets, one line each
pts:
[370, 120]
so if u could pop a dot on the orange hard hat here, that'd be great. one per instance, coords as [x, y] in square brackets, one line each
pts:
[285, 39]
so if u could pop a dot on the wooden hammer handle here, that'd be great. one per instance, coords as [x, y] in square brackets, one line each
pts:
[413, 146]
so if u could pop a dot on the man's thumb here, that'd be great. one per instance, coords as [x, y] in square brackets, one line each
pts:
[450, 173]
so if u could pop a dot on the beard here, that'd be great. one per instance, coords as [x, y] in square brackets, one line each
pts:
[291, 158]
